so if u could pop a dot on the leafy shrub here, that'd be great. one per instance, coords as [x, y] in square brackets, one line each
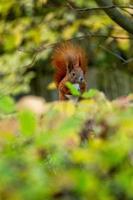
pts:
[74, 151]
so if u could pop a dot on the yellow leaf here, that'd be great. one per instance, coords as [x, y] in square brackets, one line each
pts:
[51, 86]
[66, 108]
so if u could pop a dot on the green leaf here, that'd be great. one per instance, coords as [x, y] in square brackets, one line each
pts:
[7, 104]
[28, 122]
[72, 89]
[89, 94]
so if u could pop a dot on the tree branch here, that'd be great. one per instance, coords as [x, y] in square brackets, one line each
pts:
[99, 8]
[43, 46]
[129, 13]
[114, 54]
[116, 15]
[89, 35]
[117, 55]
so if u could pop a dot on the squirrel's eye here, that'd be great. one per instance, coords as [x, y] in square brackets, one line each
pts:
[73, 74]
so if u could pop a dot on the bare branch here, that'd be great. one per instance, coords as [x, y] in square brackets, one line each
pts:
[113, 53]
[116, 15]
[98, 8]
[32, 62]
[128, 61]
[122, 7]
[129, 13]
[43, 47]
[117, 55]
[90, 34]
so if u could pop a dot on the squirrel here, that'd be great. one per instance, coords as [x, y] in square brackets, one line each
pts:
[70, 63]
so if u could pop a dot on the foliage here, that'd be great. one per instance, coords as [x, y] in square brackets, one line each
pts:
[74, 151]
[27, 25]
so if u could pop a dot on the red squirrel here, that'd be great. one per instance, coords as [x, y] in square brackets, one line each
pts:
[70, 63]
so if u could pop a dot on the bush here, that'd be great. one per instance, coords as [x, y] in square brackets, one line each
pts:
[73, 151]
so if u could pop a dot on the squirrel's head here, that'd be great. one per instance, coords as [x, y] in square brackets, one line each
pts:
[75, 73]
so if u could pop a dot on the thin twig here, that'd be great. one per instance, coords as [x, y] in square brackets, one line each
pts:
[129, 60]
[43, 46]
[111, 52]
[129, 13]
[98, 8]
[90, 34]
[117, 55]
[32, 62]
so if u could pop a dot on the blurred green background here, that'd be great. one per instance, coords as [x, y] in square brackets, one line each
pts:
[27, 25]
[62, 150]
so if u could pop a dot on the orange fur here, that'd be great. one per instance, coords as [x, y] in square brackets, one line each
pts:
[70, 64]
[65, 53]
